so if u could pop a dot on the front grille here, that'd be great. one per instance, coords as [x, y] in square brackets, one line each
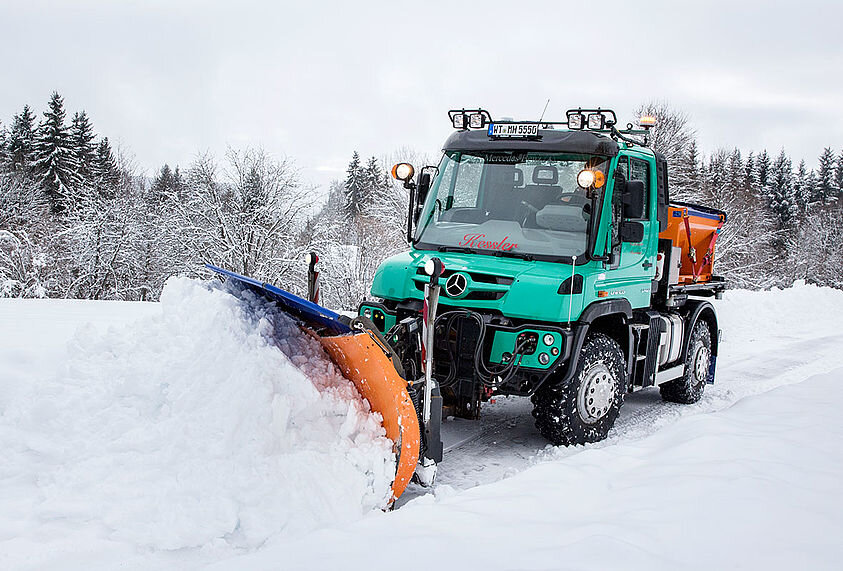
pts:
[475, 277]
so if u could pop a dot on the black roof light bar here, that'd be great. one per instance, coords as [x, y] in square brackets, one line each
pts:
[465, 119]
[580, 119]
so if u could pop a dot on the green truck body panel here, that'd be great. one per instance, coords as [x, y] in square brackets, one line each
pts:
[533, 294]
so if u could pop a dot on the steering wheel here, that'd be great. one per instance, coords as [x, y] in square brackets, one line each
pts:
[531, 211]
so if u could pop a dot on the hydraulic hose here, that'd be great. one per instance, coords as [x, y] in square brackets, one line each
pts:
[489, 376]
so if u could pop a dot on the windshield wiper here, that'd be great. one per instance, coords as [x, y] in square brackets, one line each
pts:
[498, 253]
[455, 249]
[527, 257]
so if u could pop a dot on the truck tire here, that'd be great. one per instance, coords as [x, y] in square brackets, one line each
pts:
[689, 388]
[586, 408]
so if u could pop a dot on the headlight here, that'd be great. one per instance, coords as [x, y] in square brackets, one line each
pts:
[548, 339]
[403, 171]
[586, 178]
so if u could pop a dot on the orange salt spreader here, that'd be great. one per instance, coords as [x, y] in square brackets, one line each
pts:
[694, 230]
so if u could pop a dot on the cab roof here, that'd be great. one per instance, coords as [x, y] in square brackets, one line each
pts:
[549, 141]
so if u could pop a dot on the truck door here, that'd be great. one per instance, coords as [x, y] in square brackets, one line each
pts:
[632, 273]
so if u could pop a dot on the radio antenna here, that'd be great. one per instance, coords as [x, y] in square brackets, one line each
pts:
[544, 110]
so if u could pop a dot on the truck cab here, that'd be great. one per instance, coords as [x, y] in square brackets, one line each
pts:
[558, 279]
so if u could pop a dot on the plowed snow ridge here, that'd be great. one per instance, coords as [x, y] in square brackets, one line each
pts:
[746, 477]
[191, 427]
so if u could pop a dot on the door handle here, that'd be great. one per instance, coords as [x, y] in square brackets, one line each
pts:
[647, 265]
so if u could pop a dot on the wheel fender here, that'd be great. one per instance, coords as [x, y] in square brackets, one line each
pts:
[594, 311]
[702, 310]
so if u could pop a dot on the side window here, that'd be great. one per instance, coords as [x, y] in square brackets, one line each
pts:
[640, 170]
[617, 208]
[623, 166]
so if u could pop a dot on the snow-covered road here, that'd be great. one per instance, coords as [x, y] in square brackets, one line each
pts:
[747, 478]
[770, 339]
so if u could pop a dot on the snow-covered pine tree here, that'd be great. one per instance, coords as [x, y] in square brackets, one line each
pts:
[178, 181]
[162, 185]
[801, 191]
[762, 170]
[686, 175]
[106, 173]
[750, 175]
[810, 189]
[4, 161]
[745, 248]
[780, 192]
[20, 142]
[716, 185]
[55, 164]
[838, 178]
[355, 188]
[82, 138]
[374, 179]
[735, 172]
[826, 188]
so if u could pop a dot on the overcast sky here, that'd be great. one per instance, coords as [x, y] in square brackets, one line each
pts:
[317, 80]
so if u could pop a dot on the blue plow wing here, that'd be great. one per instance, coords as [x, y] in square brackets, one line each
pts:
[322, 320]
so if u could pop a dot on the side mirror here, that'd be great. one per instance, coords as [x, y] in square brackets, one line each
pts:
[631, 232]
[421, 192]
[633, 199]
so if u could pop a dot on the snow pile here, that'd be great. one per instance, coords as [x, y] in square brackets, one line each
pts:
[746, 478]
[754, 486]
[190, 428]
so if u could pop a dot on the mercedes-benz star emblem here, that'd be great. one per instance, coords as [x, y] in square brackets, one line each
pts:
[456, 284]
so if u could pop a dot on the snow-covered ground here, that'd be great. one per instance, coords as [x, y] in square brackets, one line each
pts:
[189, 440]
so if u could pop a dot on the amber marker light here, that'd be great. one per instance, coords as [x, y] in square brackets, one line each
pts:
[602, 293]
[599, 179]
[647, 121]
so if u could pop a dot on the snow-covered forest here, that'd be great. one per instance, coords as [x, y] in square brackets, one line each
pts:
[78, 219]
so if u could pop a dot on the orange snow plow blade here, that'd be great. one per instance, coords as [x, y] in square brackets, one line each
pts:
[364, 363]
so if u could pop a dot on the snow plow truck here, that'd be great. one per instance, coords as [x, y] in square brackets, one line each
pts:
[546, 260]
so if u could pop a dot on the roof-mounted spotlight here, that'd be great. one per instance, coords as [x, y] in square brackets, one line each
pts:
[576, 120]
[464, 119]
[596, 121]
[476, 121]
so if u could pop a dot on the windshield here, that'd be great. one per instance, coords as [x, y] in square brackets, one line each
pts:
[518, 203]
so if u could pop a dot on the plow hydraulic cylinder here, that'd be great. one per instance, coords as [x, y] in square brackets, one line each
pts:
[431, 400]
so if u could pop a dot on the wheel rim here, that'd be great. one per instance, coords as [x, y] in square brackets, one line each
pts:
[701, 364]
[596, 393]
